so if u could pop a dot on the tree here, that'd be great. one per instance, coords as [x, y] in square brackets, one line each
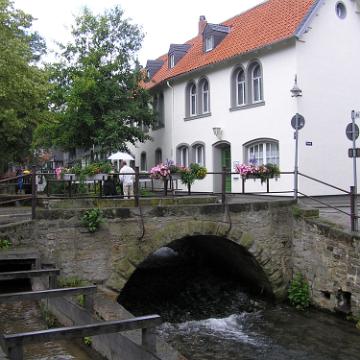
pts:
[97, 95]
[23, 86]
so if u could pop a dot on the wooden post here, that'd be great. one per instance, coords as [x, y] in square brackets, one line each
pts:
[33, 192]
[165, 185]
[89, 302]
[15, 352]
[223, 185]
[100, 189]
[148, 340]
[52, 281]
[137, 186]
[70, 184]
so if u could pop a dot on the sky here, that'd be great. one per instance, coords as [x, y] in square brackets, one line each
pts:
[163, 21]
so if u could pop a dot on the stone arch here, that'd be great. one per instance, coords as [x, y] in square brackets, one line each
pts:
[176, 230]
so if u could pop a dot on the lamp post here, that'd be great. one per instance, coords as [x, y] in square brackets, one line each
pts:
[354, 135]
[297, 123]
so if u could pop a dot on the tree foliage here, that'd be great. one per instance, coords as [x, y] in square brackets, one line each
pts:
[23, 86]
[97, 98]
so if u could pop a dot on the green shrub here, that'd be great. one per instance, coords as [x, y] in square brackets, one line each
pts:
[92, 219]
[299, 292]
[5, 244]
[71, 281]
[87, 340]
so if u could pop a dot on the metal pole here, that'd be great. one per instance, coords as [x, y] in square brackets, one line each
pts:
[33, 192]
[137, 186]
[353, 116]
[223, 185]
[296, 168]
[353, 218]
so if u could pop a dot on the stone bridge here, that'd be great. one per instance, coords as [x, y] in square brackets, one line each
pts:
[260, 241]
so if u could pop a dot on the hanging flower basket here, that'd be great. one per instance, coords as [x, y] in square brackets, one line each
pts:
[262, 172]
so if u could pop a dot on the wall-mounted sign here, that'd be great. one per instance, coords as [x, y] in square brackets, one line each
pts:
[308, 143]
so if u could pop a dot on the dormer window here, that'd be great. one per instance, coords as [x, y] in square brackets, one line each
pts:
[209, 43]
[213, 35]
[171, 61]
[176, 53]
[153, 66]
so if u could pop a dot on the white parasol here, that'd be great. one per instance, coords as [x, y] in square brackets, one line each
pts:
[120, 156]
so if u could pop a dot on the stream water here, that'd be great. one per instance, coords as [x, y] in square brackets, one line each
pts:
[24, 316]
[210, 315]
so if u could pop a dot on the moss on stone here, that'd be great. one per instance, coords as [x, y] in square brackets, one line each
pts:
[247, 240]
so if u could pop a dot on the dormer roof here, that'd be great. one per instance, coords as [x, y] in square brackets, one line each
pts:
[153, 66]
[267, 23]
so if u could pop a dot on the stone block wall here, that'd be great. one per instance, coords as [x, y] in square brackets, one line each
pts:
[330, 261]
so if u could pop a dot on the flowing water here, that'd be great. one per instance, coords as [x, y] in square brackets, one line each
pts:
[24, 316]
[211, 316]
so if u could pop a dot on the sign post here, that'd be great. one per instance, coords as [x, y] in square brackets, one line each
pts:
[297, 122]
[352, 133]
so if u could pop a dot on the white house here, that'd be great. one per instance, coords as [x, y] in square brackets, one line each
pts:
[234, 79]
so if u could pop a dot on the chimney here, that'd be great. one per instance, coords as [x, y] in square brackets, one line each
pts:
[202, 24]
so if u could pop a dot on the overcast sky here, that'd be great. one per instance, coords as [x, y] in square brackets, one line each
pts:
[163, 21]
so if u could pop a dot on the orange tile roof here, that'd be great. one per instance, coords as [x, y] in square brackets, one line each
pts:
[265, 24]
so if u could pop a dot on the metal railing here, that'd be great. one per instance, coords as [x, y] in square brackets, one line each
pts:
[164, 187]
[352, 204]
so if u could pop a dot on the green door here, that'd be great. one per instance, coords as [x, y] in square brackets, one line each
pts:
[226, 161]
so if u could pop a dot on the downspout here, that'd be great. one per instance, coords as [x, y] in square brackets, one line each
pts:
[172, 121]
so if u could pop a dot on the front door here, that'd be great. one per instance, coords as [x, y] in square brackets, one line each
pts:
[226, 161]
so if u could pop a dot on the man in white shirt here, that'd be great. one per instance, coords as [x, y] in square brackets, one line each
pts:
[126, 177]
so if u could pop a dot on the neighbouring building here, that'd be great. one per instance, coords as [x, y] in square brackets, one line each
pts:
[224, 96]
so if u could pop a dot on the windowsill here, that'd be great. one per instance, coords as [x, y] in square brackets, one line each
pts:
[197, 116]
[247, 106]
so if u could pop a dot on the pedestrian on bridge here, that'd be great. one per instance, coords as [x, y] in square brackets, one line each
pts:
[127, 177]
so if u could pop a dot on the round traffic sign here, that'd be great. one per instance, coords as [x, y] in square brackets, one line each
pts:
[297, 121]
[349, 131]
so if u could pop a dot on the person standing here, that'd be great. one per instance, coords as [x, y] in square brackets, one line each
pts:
[127, 177]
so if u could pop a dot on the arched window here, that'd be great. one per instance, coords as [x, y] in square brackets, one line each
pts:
[198, 154]
[158, 156]
[256, 83]
[193, 100]
[182, 155]
[143, 162]
[205, 97]
[262, 152]
[240, 88]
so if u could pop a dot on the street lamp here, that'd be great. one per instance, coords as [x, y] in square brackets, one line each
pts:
[297, 122]
[217, 132]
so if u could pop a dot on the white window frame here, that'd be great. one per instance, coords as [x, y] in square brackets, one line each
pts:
[242, 84]
[158, 159]
[209, 43]
[205, 97]
[263, 152]
[143, 164]
[199, 154]
[256, 82]
[193, 100]
[184, 156]
[172, 61]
